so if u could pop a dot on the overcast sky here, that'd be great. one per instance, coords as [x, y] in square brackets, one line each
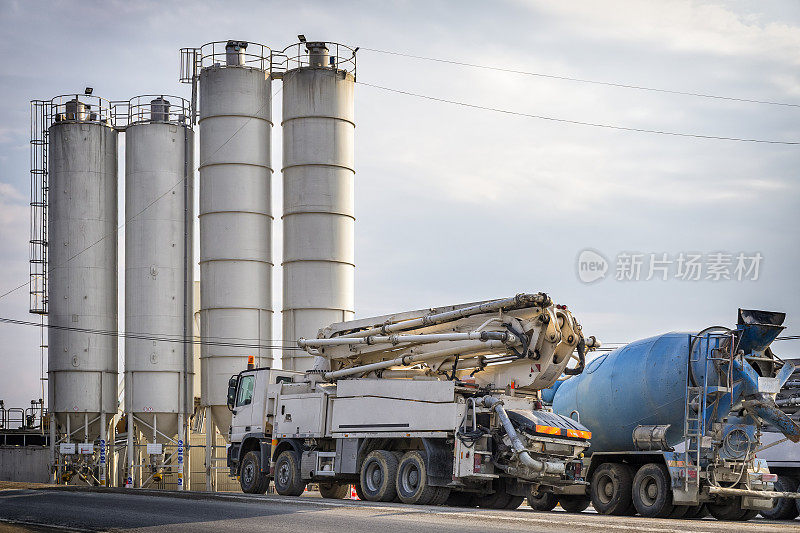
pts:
[458, 204]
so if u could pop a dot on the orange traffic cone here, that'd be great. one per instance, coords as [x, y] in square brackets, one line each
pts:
[353, 493]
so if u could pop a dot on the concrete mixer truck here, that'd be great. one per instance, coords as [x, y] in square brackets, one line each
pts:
[676, 422]
[427, 407]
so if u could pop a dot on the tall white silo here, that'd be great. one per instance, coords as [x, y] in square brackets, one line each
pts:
[235, 215]
[158, 266]
[82, 265]
[318, 191]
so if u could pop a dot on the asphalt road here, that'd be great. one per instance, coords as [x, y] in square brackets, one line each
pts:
[45, 510]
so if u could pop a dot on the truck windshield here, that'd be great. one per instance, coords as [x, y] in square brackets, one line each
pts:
[245, 391]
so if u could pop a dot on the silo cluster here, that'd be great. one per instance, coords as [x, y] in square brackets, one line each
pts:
[232, 107]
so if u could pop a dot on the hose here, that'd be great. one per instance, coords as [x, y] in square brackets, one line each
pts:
[581, 359]
[545, 467]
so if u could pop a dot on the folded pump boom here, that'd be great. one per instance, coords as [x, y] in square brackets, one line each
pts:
[524, 342]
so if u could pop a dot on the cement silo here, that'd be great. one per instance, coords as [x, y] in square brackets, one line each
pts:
[82, 268]
[235, 214]
[318, 180]
[159, 196]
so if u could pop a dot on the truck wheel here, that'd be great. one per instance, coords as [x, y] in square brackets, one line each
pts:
[251, 479]
[749, 514]
[727, 509]
[696, 512]
[287, 474]
[651, 492]
[359, 492]
[783, 508]
[496, 500]
[679, 511]
[514, 502]
[334, 491]
[412, 480]
[611, 489]
[442, 495]
[574, 504]
[458, 498]
[542, 501]
[378, 475]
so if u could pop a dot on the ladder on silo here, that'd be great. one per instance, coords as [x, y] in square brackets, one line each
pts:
[40, 122]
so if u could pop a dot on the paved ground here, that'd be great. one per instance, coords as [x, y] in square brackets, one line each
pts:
[46, 510]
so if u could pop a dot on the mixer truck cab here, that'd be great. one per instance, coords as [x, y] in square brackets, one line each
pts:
[461, 429]
[677, 421]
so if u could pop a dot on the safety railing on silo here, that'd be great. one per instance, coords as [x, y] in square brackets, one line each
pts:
[221, 54]
[166, 108]
[322, 54]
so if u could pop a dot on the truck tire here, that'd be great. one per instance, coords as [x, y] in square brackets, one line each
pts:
[651, 491]
[442, 495]
[412, 480]
[499, 499]
[287, 474]
[696, 512]
[574, 504]
[458, 498]
[542, 501]
[378, 475]
[334, 491]
[679, 511]
[611, 489]
[514, 502]
[727, 509]
[783, 508]
[251, 479]
[359, 492]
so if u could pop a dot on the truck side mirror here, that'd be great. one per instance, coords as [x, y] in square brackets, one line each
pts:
[233, 383]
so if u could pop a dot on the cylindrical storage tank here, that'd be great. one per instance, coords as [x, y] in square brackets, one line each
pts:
[159, 196]
[235, 217]
[643, 383]
[82, 244]
[318, 195]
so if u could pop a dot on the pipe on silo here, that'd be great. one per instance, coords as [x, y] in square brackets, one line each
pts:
[318, 188]
[235, 223]
[82, 289]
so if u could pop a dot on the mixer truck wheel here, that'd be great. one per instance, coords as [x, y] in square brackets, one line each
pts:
[574, 504]
[679, 511]
[287, 474]
[458, 498]
[334, 491]
[651, 491]
[696, 512]
[542, 501]
[783, 508]
[378, 475]
[727, 509]
[442, 495]
[515, 502]
[611, 489]
[412, 480]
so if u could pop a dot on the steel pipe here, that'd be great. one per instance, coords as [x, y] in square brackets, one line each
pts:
[397, 339]
[520, 300]
[545, 467]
